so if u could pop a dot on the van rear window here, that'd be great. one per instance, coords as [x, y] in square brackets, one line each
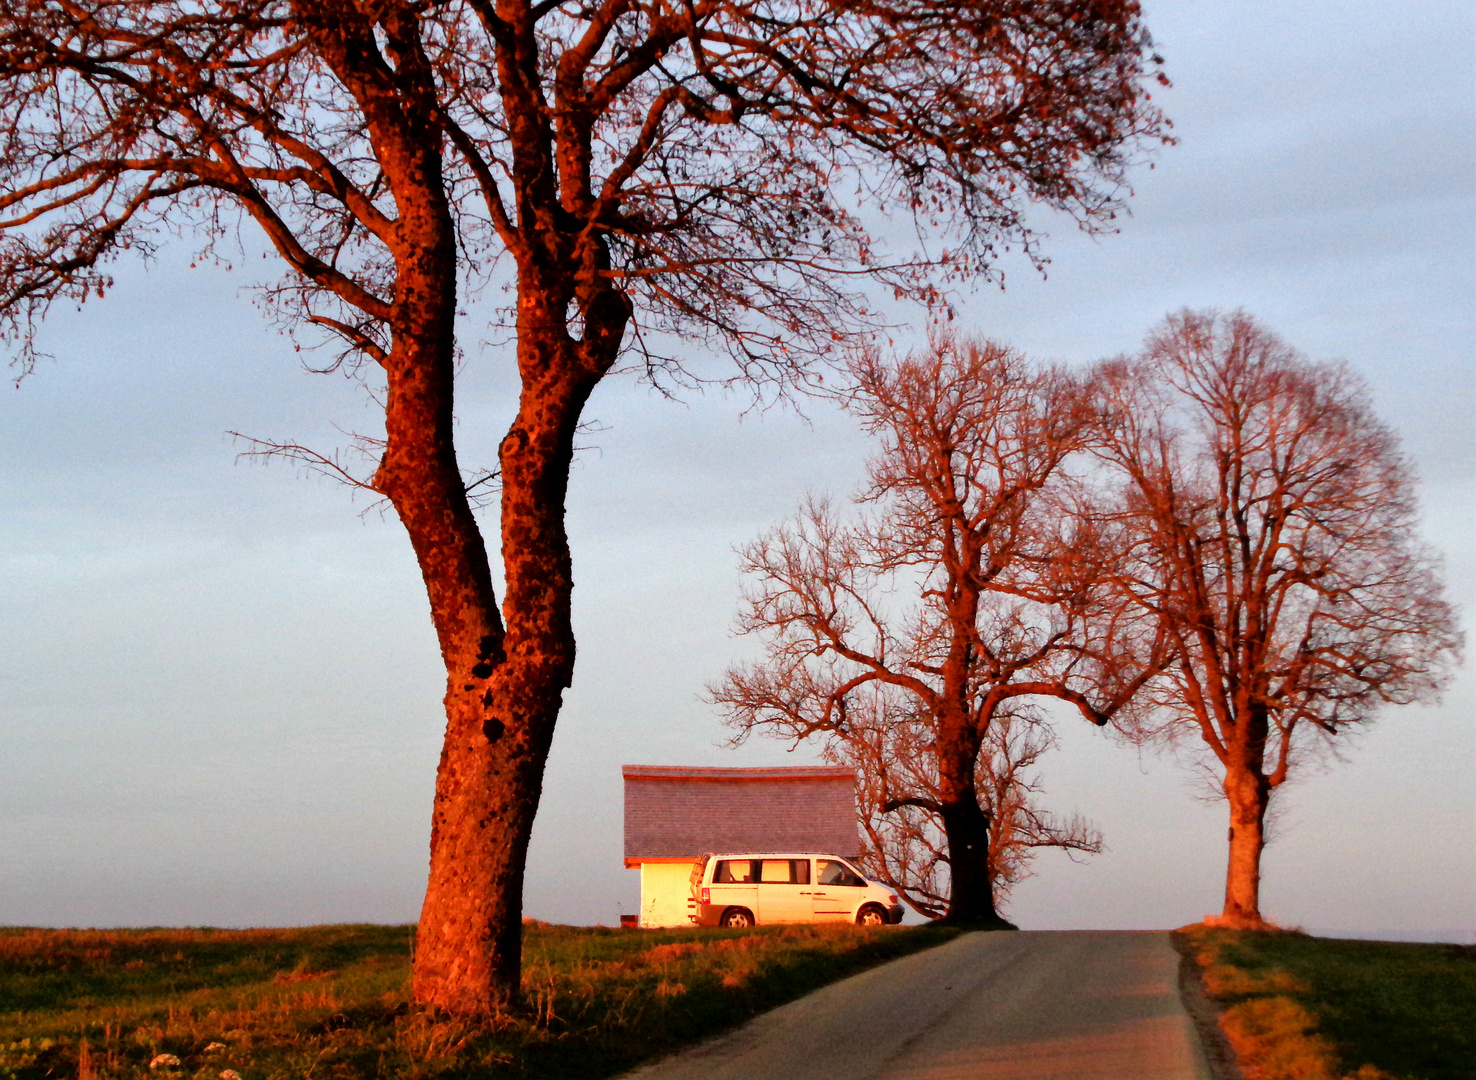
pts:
[733, 872]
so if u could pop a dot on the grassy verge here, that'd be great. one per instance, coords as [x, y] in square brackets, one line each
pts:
[1296, 1007]
[331, 1001]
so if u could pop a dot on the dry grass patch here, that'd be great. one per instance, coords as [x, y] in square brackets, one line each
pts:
[1295, 1007]
[331, 1003]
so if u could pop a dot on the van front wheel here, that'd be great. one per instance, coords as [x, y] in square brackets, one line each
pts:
[737, 918]
[871, 915]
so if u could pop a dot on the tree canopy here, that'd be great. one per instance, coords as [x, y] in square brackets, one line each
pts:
[705, 167]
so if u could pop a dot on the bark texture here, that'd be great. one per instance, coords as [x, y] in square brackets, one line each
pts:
[1248, 796]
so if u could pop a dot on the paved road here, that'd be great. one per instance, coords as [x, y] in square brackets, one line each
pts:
[1079, 1005]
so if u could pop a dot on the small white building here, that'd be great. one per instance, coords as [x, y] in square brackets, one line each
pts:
[676, 814]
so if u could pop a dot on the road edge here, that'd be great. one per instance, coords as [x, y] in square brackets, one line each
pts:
[1219, 1055]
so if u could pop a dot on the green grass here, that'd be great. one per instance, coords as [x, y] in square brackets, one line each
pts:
[332, 1001]
[1406, 1010]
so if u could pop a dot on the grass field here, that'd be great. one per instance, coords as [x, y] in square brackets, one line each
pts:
[1303, 1008]
[331, 1001]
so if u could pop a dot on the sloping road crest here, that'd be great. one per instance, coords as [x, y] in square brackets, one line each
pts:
[1042, 1005]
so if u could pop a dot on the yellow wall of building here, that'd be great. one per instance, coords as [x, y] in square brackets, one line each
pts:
[665, 892]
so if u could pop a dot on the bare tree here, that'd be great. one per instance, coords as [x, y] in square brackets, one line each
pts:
[650, 168]
[890, 745]
[927, 694]
[1272, 522]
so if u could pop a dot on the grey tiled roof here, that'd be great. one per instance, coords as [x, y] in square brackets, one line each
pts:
[682, 812]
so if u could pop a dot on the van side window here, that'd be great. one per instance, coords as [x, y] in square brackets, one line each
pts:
[733, 872]
[837, 873]
[785, 872]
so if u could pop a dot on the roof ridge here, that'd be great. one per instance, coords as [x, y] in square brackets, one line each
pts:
[701, 772]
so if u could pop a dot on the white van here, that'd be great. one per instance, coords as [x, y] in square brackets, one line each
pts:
[786, 887]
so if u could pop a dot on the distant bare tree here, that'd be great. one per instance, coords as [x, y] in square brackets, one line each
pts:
[1272, 521]
[909, 639]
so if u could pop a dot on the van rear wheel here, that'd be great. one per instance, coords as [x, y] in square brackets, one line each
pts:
[737, 918]
[871, 915]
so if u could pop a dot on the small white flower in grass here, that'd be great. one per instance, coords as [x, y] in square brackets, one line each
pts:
[215, 1047]
[229, 1074]
[164, 1061]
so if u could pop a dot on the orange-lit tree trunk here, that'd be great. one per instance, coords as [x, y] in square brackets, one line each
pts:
[505, 686]
[503, 695]
[1248, 795]
[505, 676]
[506, 670]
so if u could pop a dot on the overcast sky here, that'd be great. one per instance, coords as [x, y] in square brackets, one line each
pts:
[219, 686]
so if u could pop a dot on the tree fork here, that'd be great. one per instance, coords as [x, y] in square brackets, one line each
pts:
[504, 696]
[504, 693]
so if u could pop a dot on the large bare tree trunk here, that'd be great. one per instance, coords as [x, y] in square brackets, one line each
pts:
[469, 945]
[965, 825]
[1248, 795]
[971, 894]
[505, 688]
[503, 698]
